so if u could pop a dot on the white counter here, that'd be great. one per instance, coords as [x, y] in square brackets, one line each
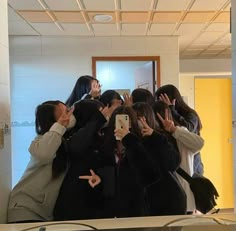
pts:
[127, 222]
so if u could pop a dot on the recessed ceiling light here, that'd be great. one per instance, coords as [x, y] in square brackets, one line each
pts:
[103, 18]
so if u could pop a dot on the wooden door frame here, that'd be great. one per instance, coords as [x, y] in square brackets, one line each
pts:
[131, 58]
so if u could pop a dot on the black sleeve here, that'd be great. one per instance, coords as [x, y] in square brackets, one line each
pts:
[139, 160]
[190, 121]
[80, 141]
[164, 153]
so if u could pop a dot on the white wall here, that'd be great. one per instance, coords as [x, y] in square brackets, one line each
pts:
[233, 17]
[45, 68]
[206, 66]
[5, 152]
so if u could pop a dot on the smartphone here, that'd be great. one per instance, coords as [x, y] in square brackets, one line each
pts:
[125, 119]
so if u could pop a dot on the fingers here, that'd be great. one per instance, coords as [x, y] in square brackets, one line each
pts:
[93, 180]
[127, 99]
[92, 172]
[160, 118]
[165, 98]
[166, 114]
[85, 177]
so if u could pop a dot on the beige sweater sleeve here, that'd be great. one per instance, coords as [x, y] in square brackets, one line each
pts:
[189, 139]
[43, 148]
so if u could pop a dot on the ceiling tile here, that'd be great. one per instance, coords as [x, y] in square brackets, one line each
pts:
[13, 16]
[217, 48]
[166, 17]
[102, 5]
[24, 5]
[92, 14]
[228, 7]
[187, 28]
[206, 5]
[162, 29]
[185, 40]
[194, 50]
[226, 40]
[20, 28]
[35, 16]
[134, 17]
[76, 29]
[208, 37]
[105, 29]
[69, 16]
[62, 5]
[135, 5]
[198, 17]
[223, 17]
[133, 29]
[47, 28]
[175, 5]
[218, 27]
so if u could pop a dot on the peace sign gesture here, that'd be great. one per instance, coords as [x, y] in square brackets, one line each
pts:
[167, 122]
[146, 130]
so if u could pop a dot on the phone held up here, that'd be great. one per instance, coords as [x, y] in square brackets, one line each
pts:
[125, 121]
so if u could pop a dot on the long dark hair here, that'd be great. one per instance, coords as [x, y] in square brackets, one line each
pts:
[182, 108]
[84, 110]
[145, 110]
[109, 95]
[82, 86]
[45, 118]
[142, 95]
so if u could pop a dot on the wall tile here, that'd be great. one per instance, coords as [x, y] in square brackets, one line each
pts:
[25, 45]
[74, 46]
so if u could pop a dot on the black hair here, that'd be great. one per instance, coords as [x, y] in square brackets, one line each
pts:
[82, 86]
[107, 97]
[45, 116]
[142, 95]
[182, 108]
[84, 110]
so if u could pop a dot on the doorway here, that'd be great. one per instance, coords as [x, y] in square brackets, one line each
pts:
[127, 73]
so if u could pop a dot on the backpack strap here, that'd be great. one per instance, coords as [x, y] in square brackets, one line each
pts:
[184, 174]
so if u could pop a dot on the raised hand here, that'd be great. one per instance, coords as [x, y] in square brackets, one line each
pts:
[146, 130]
[127, 99]
[64, 119]
[164, 97]
[121, 132]
[93, 180]
[168, 123]
[95, 89]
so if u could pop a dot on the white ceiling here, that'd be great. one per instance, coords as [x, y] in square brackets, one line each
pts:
[203, 26]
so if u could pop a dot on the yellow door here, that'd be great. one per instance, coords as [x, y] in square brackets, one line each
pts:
[213, 102]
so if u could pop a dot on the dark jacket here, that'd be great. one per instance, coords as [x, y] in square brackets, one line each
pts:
[141, 179]
[77, 199]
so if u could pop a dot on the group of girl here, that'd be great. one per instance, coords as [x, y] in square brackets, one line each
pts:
[80, 170]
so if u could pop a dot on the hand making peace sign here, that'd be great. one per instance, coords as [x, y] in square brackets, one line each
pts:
[167, 122]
